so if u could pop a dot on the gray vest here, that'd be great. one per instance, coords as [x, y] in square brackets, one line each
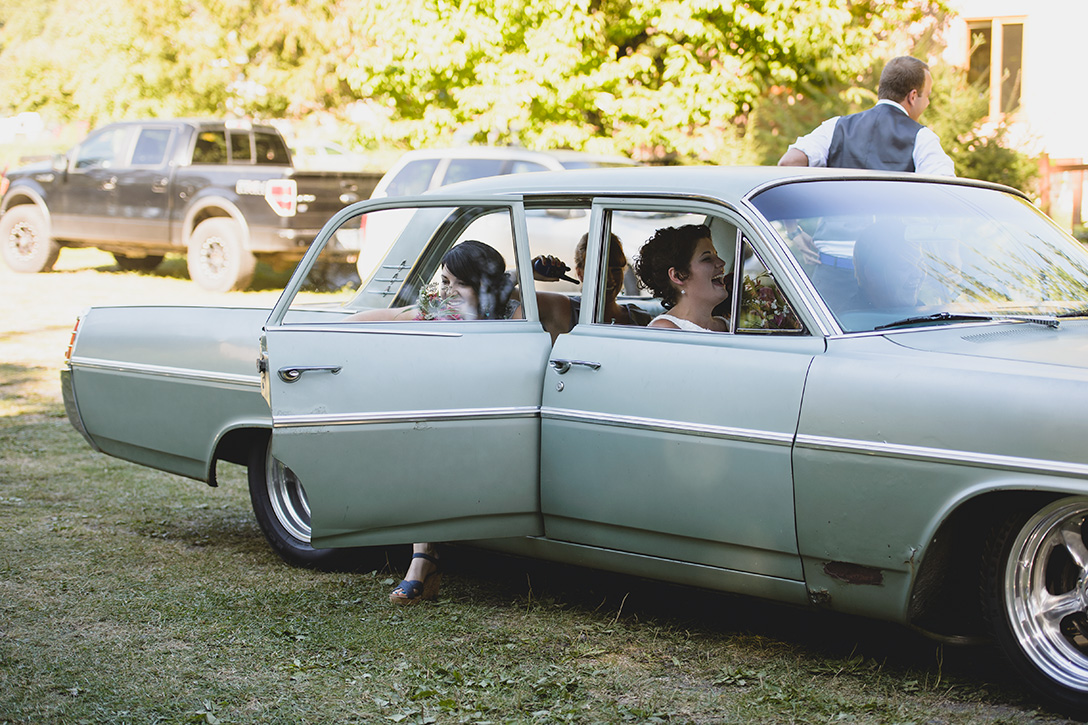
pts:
[881, 138]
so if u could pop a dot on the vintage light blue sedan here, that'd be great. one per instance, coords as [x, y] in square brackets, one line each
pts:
[892, 425]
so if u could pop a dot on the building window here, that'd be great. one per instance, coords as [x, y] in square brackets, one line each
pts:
[997, 61]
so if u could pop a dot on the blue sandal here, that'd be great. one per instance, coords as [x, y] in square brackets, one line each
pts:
[412, 591]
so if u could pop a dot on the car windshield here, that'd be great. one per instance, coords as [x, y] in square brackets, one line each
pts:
[886, 253]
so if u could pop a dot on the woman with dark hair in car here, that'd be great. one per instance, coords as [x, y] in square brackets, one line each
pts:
[681, 266]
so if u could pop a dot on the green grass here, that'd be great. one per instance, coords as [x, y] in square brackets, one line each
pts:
[132, 596]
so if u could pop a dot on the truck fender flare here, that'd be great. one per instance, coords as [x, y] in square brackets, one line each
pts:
[28, 192]
[209, 207]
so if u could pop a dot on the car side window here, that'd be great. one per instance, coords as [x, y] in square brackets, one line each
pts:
[414, 178]
[210, 148]
[105, 149]
[151, 146]
[241, 147]
[763, 307]
[414, 264]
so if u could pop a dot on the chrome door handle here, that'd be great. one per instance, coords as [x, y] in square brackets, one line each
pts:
[110, 185]
[291, 374]
[562, 366]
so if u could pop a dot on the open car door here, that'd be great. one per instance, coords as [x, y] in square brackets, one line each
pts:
[409, 429]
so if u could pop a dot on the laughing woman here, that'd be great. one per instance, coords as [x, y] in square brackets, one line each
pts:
[681, 266]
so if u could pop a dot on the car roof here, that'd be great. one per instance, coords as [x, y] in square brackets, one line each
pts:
[512, 153]
[719, 182]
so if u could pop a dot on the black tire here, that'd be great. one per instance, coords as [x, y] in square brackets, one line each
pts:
[283, 514]
[138, 264]
[1035, 599]
[217, 259]
[25, 241]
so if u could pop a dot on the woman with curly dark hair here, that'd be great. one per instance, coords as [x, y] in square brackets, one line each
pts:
[681, 266]
[473, 285]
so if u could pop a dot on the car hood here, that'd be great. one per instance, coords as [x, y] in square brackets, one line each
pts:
[1065, 345]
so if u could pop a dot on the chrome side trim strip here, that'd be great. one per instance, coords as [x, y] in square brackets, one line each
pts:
[668, 426]
[943, 455]
[367, 328]
[411, 416]
[249, 381]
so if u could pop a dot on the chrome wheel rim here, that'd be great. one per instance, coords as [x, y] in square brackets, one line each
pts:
[1046, 592]
[288, 499]
[213, 256]
[22, 239]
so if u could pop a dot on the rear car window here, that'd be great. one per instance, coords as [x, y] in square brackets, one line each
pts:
[270, 149]
[413, 179]
[468, 169]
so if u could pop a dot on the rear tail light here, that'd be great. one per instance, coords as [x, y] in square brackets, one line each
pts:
[71, 342]
[282, 196]
[4, 181]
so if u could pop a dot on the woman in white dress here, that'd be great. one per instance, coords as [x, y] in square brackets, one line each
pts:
[681, 266]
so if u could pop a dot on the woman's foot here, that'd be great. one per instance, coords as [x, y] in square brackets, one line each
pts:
[420, 583]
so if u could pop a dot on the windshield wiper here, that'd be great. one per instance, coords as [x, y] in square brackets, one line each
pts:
[935, 317]
[1050, 322]
[1083, 312]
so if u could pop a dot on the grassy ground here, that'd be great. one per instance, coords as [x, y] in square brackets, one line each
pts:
[132, 596]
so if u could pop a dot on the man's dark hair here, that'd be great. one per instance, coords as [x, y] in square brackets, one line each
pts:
[901, 76]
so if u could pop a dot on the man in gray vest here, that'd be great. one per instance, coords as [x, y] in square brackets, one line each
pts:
[886, 137]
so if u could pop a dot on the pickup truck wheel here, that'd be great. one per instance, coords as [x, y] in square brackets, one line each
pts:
[217, 259]
[1035, 598]
[283, 513]
[138, 264]
[25, 240]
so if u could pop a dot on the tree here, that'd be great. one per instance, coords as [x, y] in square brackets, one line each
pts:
[655, 78]
[116, 59]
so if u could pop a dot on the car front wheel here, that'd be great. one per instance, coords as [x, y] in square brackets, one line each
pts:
[283, 514]
[1035, 595]
[25, 242]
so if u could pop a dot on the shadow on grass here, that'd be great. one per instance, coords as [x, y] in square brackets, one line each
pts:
[27, 391]
[817, 635]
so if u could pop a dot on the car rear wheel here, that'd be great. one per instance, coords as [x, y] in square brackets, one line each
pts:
[138, 264]
[1035, 596]
[25, 241]
[283, 514]
[217, 259]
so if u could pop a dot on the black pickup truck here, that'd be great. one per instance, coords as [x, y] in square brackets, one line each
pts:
[222, 192]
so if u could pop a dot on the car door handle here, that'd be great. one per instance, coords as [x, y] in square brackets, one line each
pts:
[291, 374]
[562, 366]
[110, 184]
[160, 185]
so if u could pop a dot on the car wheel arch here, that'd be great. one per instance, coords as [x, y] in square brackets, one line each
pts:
[235, 445]
[23, 196]
[944, 598]
[211, 208]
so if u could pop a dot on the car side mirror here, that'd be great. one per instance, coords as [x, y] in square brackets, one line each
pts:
[60, 163]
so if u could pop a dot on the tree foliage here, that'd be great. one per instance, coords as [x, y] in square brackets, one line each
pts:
[719, 81]
[656, 78]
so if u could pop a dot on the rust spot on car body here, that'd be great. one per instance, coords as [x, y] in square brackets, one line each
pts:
[854, 573]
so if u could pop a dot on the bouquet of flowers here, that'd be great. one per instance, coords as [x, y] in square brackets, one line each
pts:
[433, 305]
[763, 307]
